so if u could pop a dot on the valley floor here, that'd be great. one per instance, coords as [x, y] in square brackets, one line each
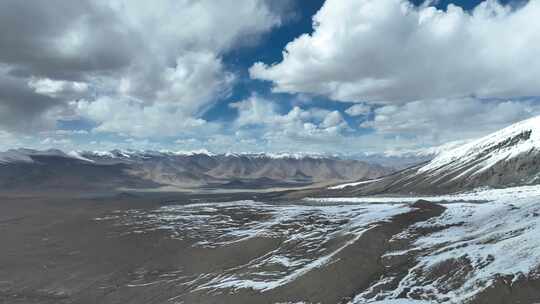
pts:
[477, 247]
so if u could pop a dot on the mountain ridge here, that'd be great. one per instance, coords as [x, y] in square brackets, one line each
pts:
[182, 170]
[508, 157]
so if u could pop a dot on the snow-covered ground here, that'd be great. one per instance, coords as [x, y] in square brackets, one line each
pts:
[483, 242]
[482, 236]
[309, 235]
[486, 234]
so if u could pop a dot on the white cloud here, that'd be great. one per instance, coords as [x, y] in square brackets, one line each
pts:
[197, 80]
[159, 99]
[133, 118]
[255, 110]
[432, 122]
[358, 110]
[389, 51]
[54, 88]
[157, 60]
[55, 142]
[182, 45]
[332, 120]
[186, 24]
[300, 125]
[147, 71]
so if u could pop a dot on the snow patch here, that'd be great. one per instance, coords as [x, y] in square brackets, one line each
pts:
[342, 186]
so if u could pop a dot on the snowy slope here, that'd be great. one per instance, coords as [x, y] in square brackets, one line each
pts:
[507, 158]
[483, 237]
[513, 141]
[481, 244]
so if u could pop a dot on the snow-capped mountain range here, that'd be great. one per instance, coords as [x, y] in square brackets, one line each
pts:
[509, 157]
[396, 159]
[143, 169]
[25, 155]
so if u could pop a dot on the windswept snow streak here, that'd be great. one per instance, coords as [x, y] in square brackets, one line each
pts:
[310, 235]
[307, 245]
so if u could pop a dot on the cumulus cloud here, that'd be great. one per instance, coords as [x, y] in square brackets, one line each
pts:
[181, 61]
[255, 110]
[410, 125]
[22, 109]
[62, 39]
[431, 122]
[165, 57]
[130, 117]
[56, 88]
[358, 109]
[389, 51]
[301, 125]
[142, 74]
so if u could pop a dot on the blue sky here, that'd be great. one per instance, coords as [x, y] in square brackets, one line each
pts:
[345, 76]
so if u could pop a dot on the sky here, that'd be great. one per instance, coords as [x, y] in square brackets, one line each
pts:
[334, 76]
